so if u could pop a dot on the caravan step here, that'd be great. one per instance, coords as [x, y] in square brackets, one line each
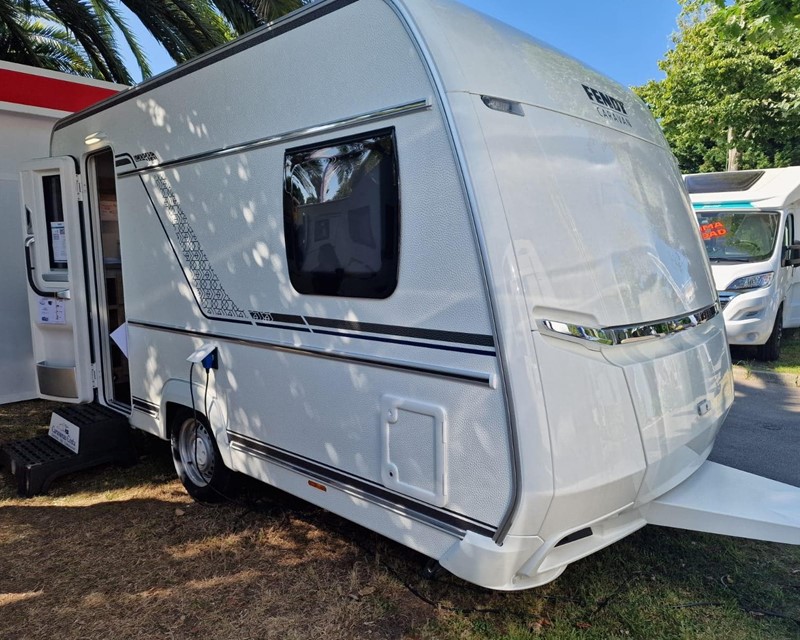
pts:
[81, 436]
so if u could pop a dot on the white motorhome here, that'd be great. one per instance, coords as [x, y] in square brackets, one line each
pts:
[750, 223]
[406, 263]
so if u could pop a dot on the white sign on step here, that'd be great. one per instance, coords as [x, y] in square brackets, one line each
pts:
[65, 433]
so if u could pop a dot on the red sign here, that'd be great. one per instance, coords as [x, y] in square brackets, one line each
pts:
[50, 93]
[713, 230]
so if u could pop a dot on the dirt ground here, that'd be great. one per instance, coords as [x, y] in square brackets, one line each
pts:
[126, 554]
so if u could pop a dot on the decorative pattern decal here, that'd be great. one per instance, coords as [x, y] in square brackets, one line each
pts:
[213, 298]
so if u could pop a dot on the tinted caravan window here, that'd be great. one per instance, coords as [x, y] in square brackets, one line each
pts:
[341, 217]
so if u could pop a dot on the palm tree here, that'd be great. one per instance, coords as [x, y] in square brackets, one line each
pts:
[78, 35]
[37, 40]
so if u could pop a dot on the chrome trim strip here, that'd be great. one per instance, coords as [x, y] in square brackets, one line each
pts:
[464, 375]
[613, 336]
[457, 525]
[288, 136]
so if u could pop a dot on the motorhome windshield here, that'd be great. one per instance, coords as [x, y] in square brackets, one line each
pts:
[732, 236]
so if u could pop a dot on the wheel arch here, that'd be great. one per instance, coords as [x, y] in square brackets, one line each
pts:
[177, 398]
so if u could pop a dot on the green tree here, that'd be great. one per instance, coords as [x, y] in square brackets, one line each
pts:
[729, 99]
[78, 35]
[757, 18]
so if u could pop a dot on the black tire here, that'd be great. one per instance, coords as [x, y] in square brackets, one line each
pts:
[771, 349]
[197, 460]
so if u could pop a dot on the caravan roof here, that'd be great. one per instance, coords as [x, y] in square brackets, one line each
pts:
[760, 189]
[449, 31]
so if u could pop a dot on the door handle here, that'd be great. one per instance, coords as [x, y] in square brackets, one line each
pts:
[29, 242]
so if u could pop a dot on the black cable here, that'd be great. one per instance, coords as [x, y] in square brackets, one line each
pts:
[194, 412]
[205, 397]
[760, 612]
[602, 604]
[210, 431]
[191, 390]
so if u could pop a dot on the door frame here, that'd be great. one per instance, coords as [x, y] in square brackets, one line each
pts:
[100, 306]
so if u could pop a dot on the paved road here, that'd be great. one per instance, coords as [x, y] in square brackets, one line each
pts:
[762, 431]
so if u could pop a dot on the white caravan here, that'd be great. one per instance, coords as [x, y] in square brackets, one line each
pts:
[428, 274]
[31, 101]
[750, 223]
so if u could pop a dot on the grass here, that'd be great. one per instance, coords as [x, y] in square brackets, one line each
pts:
[789, 361]
[125, 554]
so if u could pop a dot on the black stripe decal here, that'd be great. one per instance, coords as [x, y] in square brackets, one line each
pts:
[453, 522]
[256, 37]
[122, 162]
[487, 379]
[145, 406]
[405, 332]
[409, 343]
[274, 325]
[286, 318]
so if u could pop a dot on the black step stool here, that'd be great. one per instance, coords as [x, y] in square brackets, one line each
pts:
[105, 437]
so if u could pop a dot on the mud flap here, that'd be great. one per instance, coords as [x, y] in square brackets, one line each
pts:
[719, 499]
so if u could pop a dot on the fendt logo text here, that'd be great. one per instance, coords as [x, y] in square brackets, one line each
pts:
[608, 106]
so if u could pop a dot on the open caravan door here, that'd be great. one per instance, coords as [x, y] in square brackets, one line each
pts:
[53, 227]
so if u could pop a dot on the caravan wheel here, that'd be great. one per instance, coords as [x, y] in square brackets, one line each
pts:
[198, 462]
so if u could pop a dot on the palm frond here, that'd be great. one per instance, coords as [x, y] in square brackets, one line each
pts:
[270, 10]
[87, 29]
[111, 14]
[16, 35]
[77, 17]
[61, 50]
[52, 47]
[241, 15]
[246, 15]
[177, 30]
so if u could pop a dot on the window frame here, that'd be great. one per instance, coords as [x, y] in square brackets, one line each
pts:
[382, 283]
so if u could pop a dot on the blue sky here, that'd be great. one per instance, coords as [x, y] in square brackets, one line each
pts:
[624, 39]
